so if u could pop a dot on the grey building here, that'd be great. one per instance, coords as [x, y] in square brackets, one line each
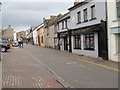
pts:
[88, 28]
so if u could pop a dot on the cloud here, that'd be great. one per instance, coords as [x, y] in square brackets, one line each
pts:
[26, 14]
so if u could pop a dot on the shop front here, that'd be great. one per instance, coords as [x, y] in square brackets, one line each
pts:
[65, 41]
[90, 41]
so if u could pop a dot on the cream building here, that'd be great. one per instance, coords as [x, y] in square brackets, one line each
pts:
[114, 30]
[8, 33]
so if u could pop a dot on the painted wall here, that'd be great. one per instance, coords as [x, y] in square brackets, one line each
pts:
[113, 39]
[100, 14]
[35, 37]
[86, 52]
[41, 34]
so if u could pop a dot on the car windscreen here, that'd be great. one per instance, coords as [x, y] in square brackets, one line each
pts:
[4, 41]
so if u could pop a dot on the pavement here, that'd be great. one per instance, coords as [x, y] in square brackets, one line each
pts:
[39, 67]
[21, 71]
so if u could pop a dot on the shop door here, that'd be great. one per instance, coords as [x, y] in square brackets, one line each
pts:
[65, 44]
[102, 44]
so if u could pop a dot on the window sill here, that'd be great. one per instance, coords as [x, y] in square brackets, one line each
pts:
[89, 49]
[78, 48]
[93, 19]
[85, 21]
[118, 19]
[78, 23]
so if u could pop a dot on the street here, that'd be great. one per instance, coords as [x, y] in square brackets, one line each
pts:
[39, 67]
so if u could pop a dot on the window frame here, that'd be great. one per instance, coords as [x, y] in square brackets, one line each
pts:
[93, 15]
[62, 24]
[79, 17]
[89, 36]
[85, 14]
[79, 44]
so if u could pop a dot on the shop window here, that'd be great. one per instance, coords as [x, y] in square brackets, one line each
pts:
[89, 42]
[118, 8]
[79, 17]
[77, 42]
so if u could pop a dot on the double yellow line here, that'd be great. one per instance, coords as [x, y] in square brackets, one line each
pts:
[114, 69]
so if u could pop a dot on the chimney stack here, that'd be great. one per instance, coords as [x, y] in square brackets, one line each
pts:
[77, 2]
[52, 17]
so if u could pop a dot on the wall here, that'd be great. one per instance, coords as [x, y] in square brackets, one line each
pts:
[100, 14]
[35, 37]
[112, 38]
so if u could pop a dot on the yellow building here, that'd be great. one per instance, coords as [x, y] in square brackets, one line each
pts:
[40, 32]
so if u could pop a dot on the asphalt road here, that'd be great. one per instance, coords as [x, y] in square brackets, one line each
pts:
[70, 72]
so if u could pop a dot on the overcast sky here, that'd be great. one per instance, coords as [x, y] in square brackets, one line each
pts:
[22, 15]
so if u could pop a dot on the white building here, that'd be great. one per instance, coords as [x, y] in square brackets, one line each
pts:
[15, 35]
[35, 36]
[88, 28]
[63, 25]
[114, 30]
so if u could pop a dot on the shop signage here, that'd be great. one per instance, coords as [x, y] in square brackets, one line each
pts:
[64, 34]
[86, 30]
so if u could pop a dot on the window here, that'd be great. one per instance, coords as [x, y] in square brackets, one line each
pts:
[79, 17]
[89, 42]
[63, 25]
[85, 15]
[118, 8]
[41, 39]
[93, 12]
[77, 43]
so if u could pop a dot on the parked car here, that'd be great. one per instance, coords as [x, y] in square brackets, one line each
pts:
[15, 43]
[4, 45]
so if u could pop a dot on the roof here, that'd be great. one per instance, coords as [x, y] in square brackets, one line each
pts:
[51, 22]
[79, 4]
[65, 16]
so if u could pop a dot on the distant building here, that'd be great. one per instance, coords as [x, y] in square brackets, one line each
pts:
[40, 31]
[51, 29]
[21, 34]
[8, 33]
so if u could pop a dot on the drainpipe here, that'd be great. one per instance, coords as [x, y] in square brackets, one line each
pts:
[106, 9]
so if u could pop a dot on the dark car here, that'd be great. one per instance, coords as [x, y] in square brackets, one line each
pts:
[4, 45]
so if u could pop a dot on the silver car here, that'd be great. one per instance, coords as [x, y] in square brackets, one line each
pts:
[15, 43]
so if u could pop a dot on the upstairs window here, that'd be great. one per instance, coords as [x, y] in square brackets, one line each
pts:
[79, 17]
[65, 23]
[85, 15]
[62, 24]
[93, 12]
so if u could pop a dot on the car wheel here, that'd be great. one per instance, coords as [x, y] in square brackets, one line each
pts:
[3, 49]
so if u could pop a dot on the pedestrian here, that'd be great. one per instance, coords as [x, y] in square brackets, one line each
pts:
[20, 41]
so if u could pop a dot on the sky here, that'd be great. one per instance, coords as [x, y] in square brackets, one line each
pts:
[23, 14]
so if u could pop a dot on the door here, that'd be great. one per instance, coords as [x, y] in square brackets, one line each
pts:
[65, 44]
